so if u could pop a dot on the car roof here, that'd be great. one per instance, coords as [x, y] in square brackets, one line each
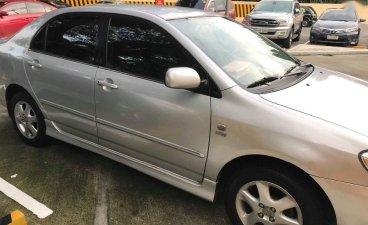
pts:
[164, 12]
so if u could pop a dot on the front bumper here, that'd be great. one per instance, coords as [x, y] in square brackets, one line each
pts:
[274, 33]
[344, 38]
[349, 201]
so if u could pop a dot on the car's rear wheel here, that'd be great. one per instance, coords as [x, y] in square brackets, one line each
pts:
[265, 196]
[28, 119]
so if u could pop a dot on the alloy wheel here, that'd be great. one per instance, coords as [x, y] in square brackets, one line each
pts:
[265, 203]
[26, 119]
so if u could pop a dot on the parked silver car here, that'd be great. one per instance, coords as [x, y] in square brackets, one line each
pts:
[277, 19]
[198, 101]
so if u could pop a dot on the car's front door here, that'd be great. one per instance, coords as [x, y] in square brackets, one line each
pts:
[137, 115]
[61, 66]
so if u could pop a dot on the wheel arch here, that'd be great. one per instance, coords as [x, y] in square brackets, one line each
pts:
[12, 90]
[258, 160]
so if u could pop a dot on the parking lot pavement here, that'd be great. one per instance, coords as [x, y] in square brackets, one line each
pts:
[355, 65]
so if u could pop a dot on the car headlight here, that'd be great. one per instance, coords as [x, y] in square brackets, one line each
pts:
[353, 29]
[284, 22]
[363, 157]
[316, 28]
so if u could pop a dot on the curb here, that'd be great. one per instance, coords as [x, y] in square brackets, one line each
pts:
[14, 218]
[330, 53]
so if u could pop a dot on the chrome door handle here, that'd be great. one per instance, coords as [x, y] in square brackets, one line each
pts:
[105, 83]
[34, 63]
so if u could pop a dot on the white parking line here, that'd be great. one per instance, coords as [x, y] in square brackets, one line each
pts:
[39, 209]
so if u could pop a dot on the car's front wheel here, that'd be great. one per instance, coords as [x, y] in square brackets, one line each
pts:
[265, 196]
[28, 119]
[289, 40]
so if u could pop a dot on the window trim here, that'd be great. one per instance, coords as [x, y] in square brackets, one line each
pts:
[99, 43]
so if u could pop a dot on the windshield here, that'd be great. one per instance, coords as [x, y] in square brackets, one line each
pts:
[338, 15]
[274, 6]
[243, 54]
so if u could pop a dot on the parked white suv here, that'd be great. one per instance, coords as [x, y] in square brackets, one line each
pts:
[277, 20]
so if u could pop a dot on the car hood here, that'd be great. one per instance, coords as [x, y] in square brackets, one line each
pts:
[330, 96]
[335, 24]
[268, 15]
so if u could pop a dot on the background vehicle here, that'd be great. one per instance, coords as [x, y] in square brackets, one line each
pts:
[310, 16]
[178, 94]
[56, 4]
[217, 6]
[16, 14]
[277, 20]
[340, 26]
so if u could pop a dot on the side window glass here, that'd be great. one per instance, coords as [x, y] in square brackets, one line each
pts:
[16, 8]
[141, 48]
[35, 8]
[73, 36]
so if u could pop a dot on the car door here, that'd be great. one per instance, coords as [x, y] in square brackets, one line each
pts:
[15, 20]
[61, 66]
[137, 115]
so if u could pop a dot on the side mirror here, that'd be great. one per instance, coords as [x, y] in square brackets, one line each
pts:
[362, 20]
[296, 11]
[3, 13]
[182, 78]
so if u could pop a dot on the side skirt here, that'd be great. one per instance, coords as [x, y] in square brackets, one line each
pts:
[205, 189]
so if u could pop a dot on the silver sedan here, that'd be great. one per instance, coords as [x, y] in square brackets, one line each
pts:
[198, 101]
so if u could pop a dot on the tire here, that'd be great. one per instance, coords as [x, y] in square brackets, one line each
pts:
[299, 33]
[305, 23]
[28, 119]
[289, 40]
[269, 195]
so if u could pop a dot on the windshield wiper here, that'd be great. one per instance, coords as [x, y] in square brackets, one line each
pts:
[262, 81]
[299, 72]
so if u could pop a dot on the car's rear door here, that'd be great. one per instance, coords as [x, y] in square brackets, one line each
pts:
[137, 115]
[16, 19]
[61, 66]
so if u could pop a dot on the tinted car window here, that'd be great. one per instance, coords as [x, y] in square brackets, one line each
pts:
[339, 15]
[274, 6]
[143, 49]
[16, 8]
[35, 8]
[70, 36]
